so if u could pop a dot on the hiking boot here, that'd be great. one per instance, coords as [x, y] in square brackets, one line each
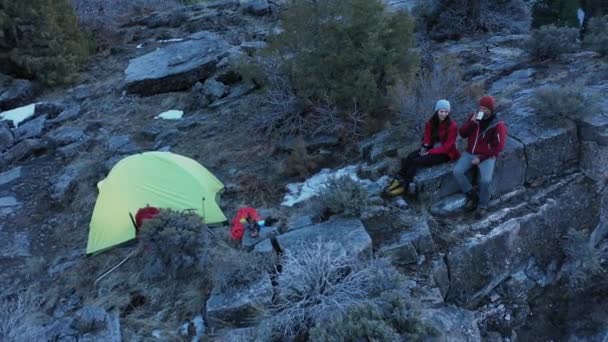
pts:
[480, 213]
[397, 191]
[394, 184]
[472, 201]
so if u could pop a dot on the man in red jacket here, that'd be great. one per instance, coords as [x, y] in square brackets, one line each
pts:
[486, 135]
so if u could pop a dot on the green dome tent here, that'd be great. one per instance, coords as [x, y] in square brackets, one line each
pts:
[159, 179]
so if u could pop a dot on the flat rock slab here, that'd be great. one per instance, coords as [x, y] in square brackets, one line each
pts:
[347, 232]
[10, 175]
[438, 182]
[177, 66]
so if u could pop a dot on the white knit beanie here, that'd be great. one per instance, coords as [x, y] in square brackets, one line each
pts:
[442, 104]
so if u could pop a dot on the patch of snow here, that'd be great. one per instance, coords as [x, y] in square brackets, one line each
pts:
[17, 115]
[172, 40]
[139, 46]
[299, 192]
[170, 115]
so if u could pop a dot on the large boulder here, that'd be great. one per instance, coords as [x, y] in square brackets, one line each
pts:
[177, 66]
[22, 150]
[348, 232]
[549, 150]
[10, 175]
[65, 135]
[15, 92]
[409, 244]
[31, 129]
[482, 262]
[240, 306]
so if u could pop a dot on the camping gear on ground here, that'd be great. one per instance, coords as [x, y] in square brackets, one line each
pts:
[144, 214]
[248, 219]
[161, 179]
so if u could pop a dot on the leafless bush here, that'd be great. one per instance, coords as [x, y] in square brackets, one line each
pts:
[17, 311]
[416, 100]
[587, 260]
[456, 18]
[104, 17]
[282, 113]
[321, 282]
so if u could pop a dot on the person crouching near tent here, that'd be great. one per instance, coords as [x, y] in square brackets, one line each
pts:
[438, 147]
[486, 135]
[247, 219]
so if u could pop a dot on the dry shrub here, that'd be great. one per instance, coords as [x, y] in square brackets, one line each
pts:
[321, 282]
[570, 101]
[346, 196]
[453, 19]
[597, 35]
[548, 42]
[19, 308]
[416, 101]
[105, 17]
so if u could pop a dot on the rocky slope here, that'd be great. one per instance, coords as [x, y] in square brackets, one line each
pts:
[474, 280]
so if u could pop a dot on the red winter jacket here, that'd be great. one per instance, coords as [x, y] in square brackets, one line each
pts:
[238, 229]
[447, 138]
[487, 142]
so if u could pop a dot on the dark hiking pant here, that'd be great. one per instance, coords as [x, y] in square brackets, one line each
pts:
[414, 160]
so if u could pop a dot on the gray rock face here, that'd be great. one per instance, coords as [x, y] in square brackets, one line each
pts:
[255, 7]
[22, 150]
[452, 324]
[213, 90]
[549, 151]
[90, 318]
[240, 306]
[177, 66]
[482, 262]
[10, 175]
[122, 144]
[441, 276]
[7, 139]
[14, 245]
[15, 92]
[68, 114]
[251, 47]
[31, 129]
[50, 109]
[65, 135]
[594, 145]
[349, 233]
[413, 241]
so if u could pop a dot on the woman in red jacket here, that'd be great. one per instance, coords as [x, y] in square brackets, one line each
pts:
[438, 147]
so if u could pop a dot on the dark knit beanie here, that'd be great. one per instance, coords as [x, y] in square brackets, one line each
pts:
[488, 102]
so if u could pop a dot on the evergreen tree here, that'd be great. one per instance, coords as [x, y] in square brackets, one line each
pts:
[40, 39]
